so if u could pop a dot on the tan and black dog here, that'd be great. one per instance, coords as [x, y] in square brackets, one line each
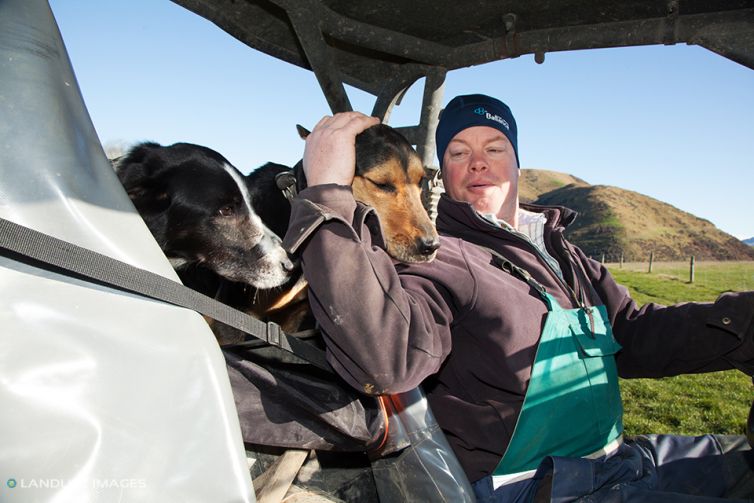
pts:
[388, 178]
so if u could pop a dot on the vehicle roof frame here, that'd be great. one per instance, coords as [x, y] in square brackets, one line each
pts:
[383, 47]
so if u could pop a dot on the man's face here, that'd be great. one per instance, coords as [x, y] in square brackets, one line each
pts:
[479, 167]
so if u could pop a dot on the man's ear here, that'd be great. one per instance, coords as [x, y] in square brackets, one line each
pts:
[302, 131]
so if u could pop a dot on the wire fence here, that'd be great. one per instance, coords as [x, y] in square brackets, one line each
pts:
[719, 275]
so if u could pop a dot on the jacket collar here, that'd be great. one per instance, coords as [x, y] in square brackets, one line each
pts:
[451, 213]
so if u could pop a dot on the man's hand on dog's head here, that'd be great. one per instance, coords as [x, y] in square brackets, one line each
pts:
[330, 152]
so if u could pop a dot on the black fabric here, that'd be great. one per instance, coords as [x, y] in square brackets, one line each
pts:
[296, 405]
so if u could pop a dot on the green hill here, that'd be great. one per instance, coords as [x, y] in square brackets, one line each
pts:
[535, 182]
[616, 221]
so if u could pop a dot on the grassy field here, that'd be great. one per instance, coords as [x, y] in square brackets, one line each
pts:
[691, 404]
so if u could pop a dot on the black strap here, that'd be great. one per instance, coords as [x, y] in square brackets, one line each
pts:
[91, 265]
[511, 268]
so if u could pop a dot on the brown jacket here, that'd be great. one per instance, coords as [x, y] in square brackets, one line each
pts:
[467, 331]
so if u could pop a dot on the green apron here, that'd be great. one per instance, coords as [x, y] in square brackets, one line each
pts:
[573, 406]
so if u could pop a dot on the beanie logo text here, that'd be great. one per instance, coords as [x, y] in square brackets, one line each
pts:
[492, 117]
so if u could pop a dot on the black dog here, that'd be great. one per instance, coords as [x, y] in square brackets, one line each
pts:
[198, 207]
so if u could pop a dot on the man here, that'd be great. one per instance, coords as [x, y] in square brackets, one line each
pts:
[514, 334]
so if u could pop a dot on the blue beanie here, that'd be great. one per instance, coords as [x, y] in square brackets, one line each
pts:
[474, 110]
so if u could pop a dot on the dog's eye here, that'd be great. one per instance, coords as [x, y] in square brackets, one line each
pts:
[385, 187]
[227, 211]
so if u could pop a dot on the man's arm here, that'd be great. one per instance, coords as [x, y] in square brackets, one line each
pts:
[382, 335]
[661, 341]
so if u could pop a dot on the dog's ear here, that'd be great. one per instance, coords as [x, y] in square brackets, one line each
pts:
[147, 192]
[302, 131]
[148, 195]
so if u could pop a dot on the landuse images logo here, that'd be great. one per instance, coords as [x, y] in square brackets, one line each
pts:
[11, 483]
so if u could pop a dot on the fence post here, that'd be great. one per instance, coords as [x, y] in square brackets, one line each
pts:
[651, 259]
[691, 270]
[621, 260]
[603, 259]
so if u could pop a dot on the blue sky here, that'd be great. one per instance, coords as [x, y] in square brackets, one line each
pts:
[671, 122]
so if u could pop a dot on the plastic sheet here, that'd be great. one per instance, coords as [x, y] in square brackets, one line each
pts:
[426, 470]
[106, 396]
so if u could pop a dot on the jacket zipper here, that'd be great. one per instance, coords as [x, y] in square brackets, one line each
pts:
[580, 303]
[561, 281]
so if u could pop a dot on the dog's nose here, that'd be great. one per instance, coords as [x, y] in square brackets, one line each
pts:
[427, 246]
[288, 265]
